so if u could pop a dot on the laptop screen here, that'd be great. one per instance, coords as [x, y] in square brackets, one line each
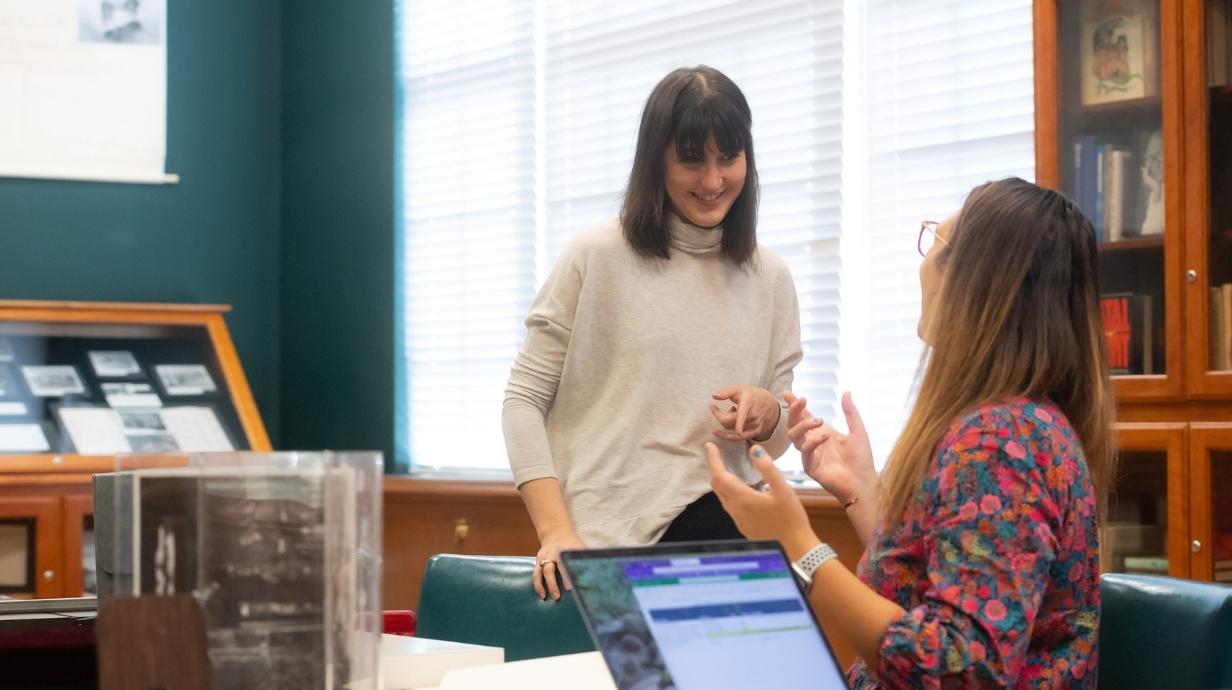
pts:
[701, 616]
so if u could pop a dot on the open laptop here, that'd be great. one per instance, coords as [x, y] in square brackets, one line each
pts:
[701, 616]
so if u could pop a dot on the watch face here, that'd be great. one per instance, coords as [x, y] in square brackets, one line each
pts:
[803, 578]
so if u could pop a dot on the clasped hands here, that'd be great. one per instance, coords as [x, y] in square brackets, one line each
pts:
[841, 463]
[754, 414]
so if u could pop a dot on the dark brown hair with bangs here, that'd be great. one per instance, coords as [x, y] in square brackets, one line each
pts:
[687, 107]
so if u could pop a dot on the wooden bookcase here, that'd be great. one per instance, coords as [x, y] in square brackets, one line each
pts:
[49, 493]
[1173, 504]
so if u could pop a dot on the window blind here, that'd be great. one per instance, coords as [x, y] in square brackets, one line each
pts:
[518, 131]
[948, 103]
[468, 220]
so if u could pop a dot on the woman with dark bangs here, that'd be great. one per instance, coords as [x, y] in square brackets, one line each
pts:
[645, 323]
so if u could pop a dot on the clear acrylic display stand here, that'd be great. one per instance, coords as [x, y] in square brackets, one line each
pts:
[282, 551]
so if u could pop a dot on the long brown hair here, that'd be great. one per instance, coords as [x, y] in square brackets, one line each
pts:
[1017, 314]
[687, 106]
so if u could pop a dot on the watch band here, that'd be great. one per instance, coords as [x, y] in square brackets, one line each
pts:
[810, 562]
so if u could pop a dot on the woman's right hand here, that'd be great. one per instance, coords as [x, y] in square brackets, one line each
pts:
[547, 562]
[841, 463]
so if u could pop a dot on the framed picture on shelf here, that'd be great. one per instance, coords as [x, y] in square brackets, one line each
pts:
[1118, 54]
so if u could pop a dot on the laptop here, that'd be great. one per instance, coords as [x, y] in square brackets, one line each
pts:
[701, 616]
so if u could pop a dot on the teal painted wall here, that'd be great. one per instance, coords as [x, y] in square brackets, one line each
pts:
[212, 238]
[337, 281]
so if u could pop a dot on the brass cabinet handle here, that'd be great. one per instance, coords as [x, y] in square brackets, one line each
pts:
[461, 530]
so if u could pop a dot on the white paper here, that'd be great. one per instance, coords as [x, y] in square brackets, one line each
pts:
[84, 84]
[23, 438]
[134, 400]
[53, 381]
[94, 430]
[114, 363]
[196, 429]
[130, 395]
[185, 379]
[11, 409]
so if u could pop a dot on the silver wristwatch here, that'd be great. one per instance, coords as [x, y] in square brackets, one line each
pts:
[810, 562]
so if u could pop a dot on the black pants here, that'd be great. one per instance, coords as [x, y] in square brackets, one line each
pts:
[702, 520]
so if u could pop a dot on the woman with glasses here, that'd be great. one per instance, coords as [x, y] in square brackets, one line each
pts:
[981, 553]
[655, 332]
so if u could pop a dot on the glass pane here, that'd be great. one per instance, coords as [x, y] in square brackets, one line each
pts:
[1219, 77]
[17, 557]
[100, 389]
[1134, 540]
[1111, 139]
[1221, 514]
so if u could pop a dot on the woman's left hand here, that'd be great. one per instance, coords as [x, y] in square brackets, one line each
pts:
[754, 416]
[775, 513]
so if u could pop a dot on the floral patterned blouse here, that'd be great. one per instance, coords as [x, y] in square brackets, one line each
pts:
[996, 560]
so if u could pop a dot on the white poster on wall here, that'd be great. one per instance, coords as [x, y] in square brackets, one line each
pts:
[83, 90]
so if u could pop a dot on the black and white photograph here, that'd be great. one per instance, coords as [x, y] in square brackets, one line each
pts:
[53, 381]
[142, 422]
[185, 379]
[256, 547]
[120, 395]
[152, 443]
[114, 363]
[133, 22]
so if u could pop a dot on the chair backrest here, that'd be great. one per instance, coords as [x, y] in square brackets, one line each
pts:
[1161, 632]
[489, 600]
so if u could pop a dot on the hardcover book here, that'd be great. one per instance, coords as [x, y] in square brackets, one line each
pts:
[1130, 333]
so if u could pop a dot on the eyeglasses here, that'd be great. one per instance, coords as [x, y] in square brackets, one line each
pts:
[928, 237]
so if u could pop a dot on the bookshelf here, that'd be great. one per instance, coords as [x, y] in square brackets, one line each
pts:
[1133, 98]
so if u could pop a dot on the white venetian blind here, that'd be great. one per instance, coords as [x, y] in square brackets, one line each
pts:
[468, 224]
[947, 104]
[520, 134]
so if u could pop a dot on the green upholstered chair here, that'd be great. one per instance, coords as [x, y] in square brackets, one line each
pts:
[1161, 632]
[489, 600]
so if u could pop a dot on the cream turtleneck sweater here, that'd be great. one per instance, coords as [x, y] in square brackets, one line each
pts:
[610, 393]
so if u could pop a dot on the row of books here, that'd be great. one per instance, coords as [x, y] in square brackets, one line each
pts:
[1115, 188]
[1219, 42]
[1221, 327]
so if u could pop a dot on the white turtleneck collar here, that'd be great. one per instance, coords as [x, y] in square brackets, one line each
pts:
[692, 239]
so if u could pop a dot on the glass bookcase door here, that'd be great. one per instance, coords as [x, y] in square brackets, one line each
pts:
[17, 572]
[1211, 256]
[1212, 502]
[30, 547]
[1145, 531]
[1134, 540]
[1112, 139]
